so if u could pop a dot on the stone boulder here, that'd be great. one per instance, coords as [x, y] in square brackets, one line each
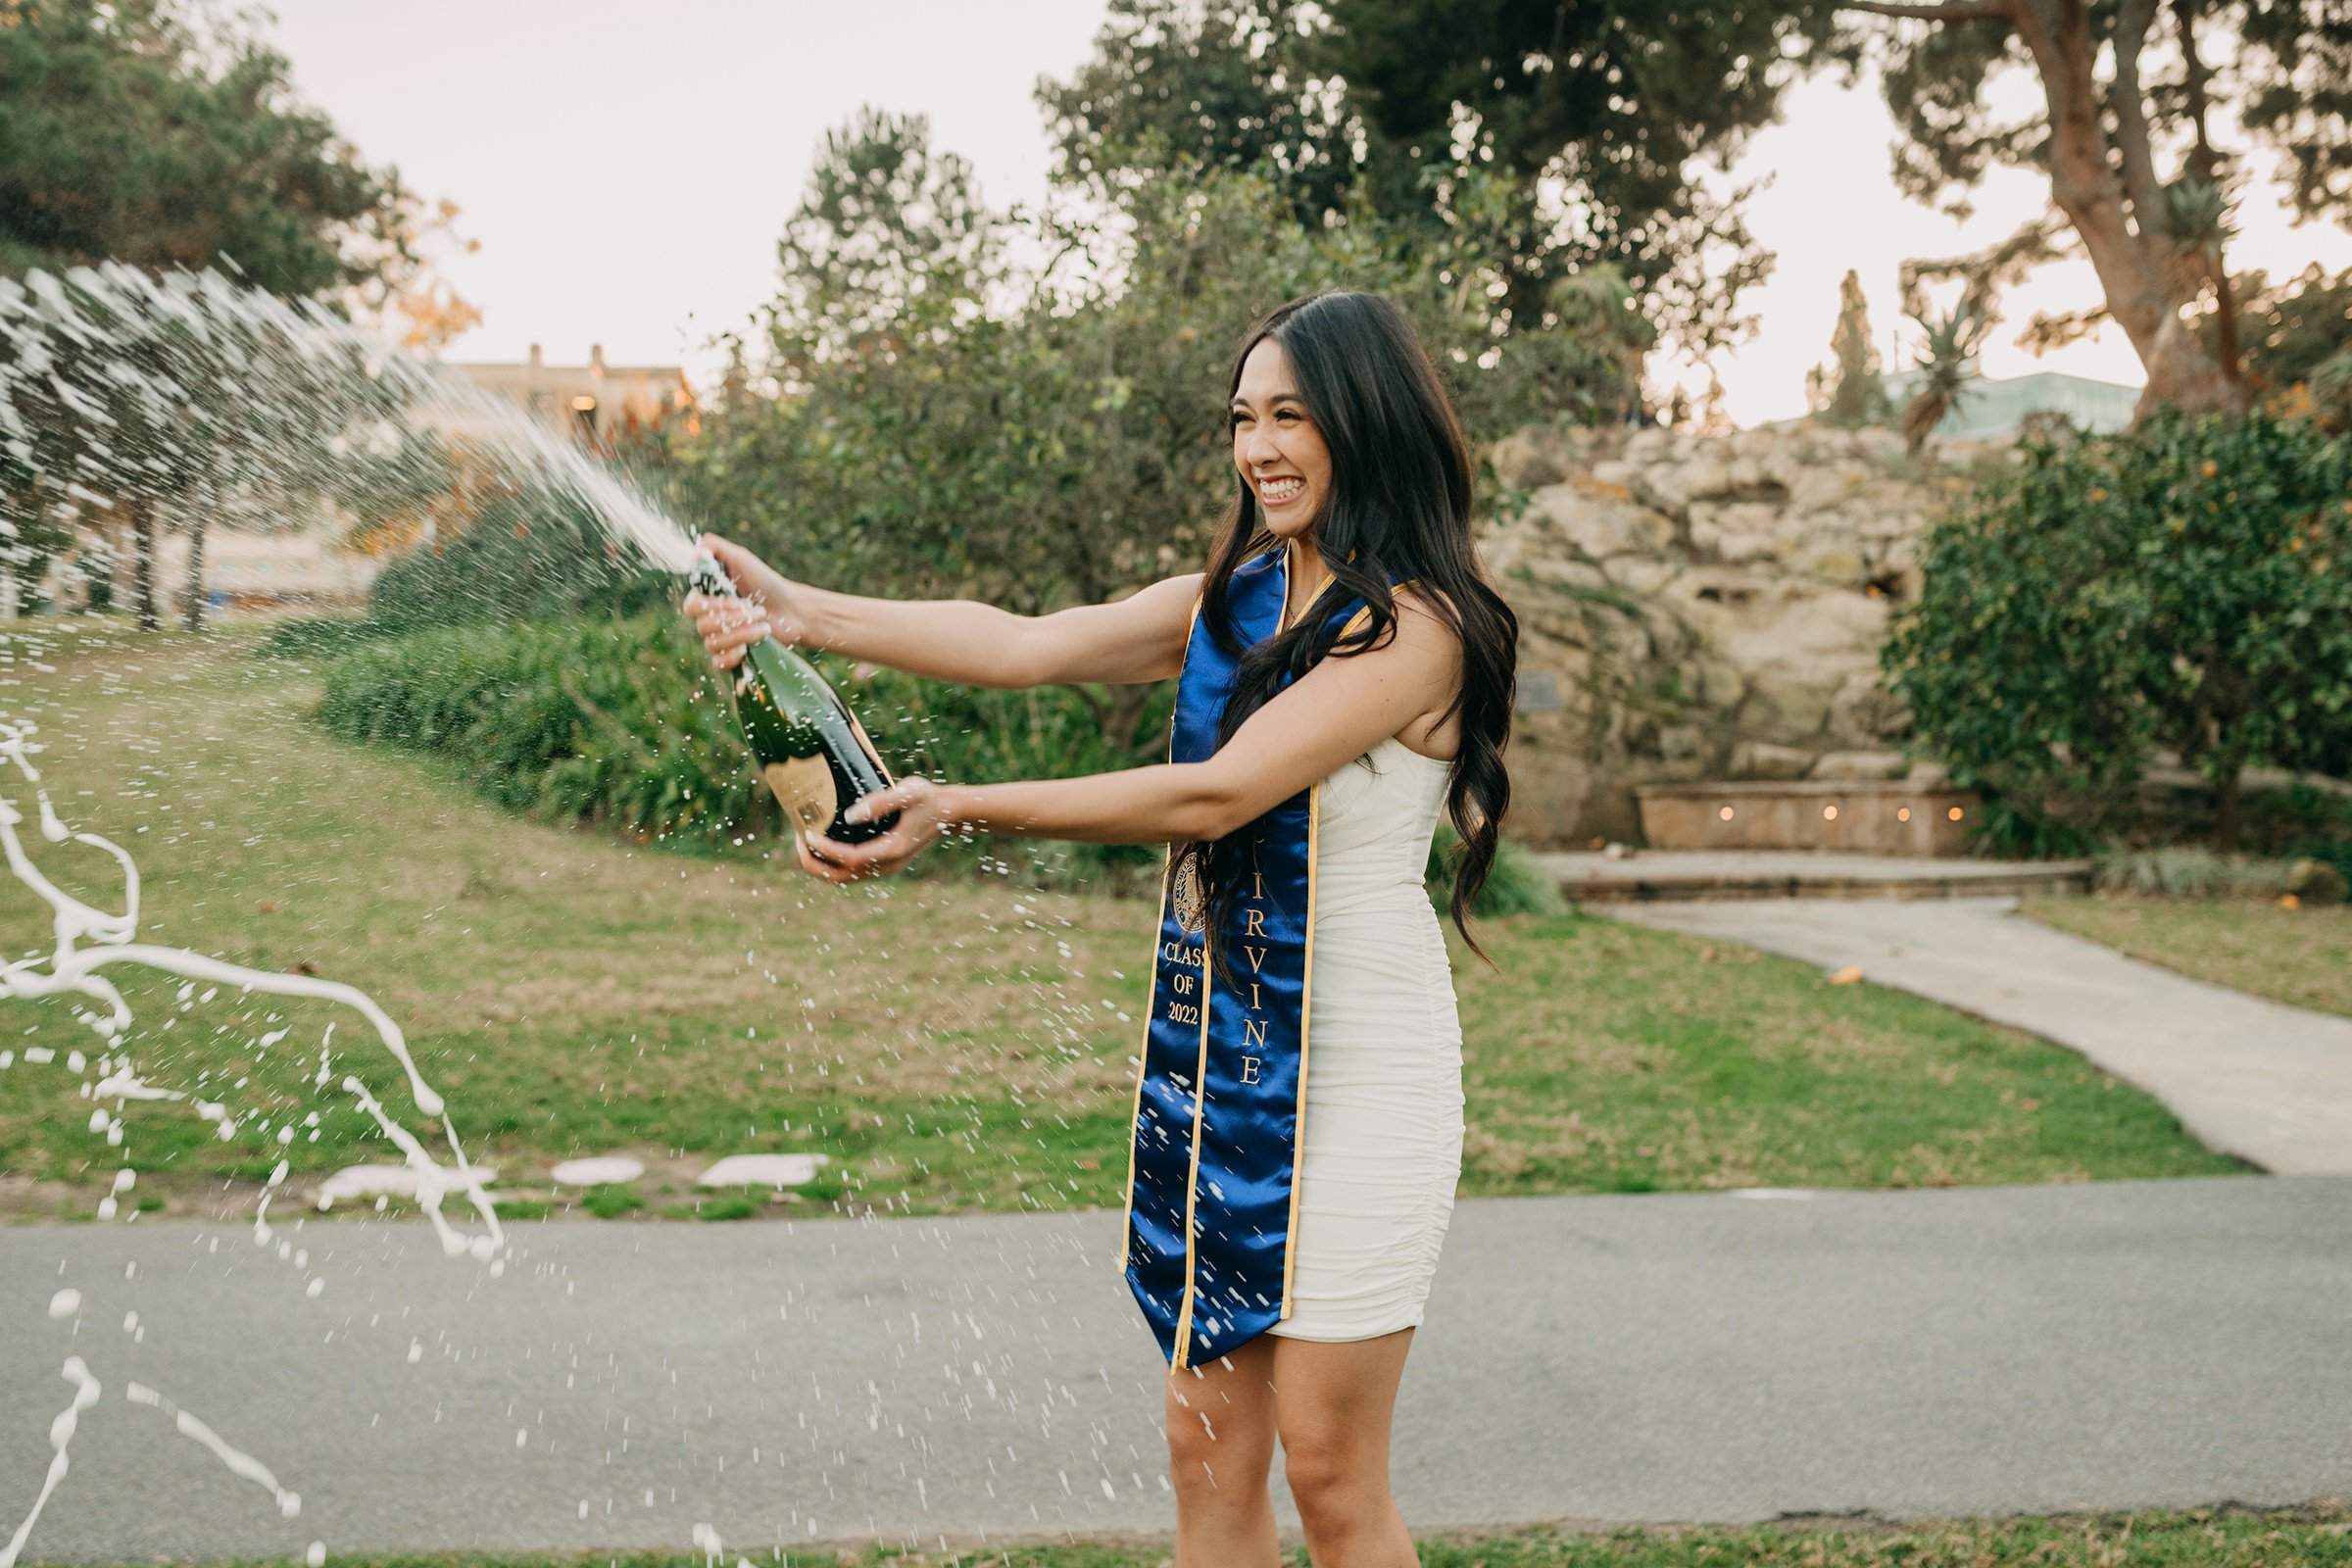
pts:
[1700, 606]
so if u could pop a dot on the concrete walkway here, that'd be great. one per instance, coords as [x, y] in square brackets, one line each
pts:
[2271, 1084]
[1661, 1357]
[1597, 876]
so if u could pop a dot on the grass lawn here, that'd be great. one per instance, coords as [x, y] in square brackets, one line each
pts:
[2299, 956]
[949, 1043]
[2319, 1537]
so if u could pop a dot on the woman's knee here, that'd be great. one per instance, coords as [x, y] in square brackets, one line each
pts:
[1215, 1444]
[1334, 1476]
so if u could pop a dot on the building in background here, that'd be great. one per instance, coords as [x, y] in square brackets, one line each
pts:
[599, 406]
[1990, 409]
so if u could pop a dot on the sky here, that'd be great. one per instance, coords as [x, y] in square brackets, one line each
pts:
[626, 170]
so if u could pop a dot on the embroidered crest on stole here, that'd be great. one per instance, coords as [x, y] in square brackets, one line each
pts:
[1213, 1188]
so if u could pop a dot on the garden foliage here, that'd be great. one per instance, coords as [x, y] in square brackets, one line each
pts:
[622, 722]
[2187, 588]
[922, 416]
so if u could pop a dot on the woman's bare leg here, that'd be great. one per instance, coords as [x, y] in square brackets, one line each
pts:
[1220, 1448]
[1333, 1405]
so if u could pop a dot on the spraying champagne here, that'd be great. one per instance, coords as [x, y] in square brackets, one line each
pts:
[809, 745]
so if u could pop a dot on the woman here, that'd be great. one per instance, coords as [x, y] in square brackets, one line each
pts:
[1344, 672]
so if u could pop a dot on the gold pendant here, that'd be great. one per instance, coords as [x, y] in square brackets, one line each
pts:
[1192, 904]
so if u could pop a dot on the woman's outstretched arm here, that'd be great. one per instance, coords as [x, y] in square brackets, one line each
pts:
[1139, 638]
[1337, 712]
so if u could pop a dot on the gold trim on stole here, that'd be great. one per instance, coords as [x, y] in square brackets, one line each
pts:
[1306, 1014]
[1192, 1181]
[1143, 1058]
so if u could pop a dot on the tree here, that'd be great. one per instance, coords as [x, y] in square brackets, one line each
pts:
[1615, 105]
[126, 134]
[2122, 89]
[924, 417]
[2298, 341]
[1946, 359]
[1587, 119]
[139, 135]
[1228, 84]
[1858, 395]
[2185, 586]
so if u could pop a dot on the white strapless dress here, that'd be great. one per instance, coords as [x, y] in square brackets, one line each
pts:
[1381, 1122]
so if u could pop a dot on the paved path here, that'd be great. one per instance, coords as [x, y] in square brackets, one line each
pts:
[1597, 876]
[1623, 1358]
[2268, 1083]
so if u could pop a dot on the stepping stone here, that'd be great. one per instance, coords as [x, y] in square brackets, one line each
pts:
[391, 1181]
[762, 1170]
[597, 1171]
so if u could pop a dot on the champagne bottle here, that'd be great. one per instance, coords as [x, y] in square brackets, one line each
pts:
[809, 745]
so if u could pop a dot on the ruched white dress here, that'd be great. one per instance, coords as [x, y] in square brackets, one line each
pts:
[1381, 1118]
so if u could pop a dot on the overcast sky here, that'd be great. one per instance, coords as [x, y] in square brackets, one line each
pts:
[628, 169]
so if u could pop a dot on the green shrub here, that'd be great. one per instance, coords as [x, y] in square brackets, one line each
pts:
[617, 721]
[534, 554]
[330, 635]
[625, 722]
[2194, 872]
[1516, 884]
[2185, 587]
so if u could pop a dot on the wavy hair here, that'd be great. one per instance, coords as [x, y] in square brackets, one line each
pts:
[1397, 510]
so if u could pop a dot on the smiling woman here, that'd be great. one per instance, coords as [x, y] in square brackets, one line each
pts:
[1344, 677]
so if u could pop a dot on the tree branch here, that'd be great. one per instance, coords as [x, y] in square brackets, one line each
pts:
[1952, 11]
[2133, 141]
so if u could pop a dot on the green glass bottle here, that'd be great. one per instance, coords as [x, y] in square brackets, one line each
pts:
[809, 748]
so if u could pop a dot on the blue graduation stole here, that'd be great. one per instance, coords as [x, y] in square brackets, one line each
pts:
[1213, 1181]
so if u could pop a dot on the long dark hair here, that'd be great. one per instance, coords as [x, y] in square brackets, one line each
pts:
[1397, 510]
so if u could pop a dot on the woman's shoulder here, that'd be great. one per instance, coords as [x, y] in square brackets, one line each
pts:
[1425, 613]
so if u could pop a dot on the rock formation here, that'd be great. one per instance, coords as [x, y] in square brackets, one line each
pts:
[1700, 608]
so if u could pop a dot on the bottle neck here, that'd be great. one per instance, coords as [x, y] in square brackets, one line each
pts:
[711, 578]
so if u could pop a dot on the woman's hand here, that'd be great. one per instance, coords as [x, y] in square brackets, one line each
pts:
[922, 817]
[770, 605]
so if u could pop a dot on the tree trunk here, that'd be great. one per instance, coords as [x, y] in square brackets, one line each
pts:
[1127, 707]
[2224, 811]
[142, 562]
[191, 605]
[2141, 291]
[2181, 374]
[2205, 164]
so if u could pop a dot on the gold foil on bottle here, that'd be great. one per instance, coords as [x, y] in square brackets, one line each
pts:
[803, 787]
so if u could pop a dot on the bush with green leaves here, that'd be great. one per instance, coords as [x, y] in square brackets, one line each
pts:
[1516, 884]
[571, 720]
[2187, 587]
[2194, 872]
[623, 723]
[529, 555]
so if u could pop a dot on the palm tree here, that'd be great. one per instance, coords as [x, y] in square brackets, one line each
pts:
[1954, 339]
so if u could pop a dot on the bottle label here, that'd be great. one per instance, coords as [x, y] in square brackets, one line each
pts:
[803, 787]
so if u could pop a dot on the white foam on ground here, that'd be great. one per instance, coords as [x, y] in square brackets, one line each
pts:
[762, 1170]
[394, 1181]
[597, 1171]
[61, 1436]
